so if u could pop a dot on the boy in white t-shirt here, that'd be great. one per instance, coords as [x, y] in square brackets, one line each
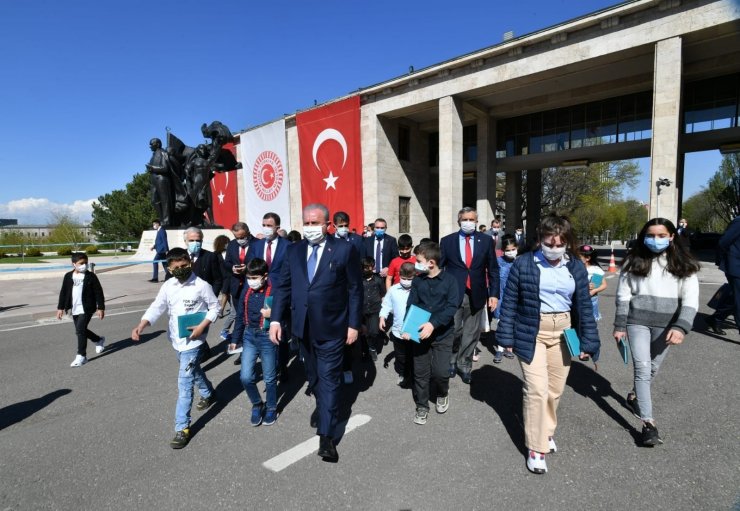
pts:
[82, 295]
[182, 295]
[596, 280]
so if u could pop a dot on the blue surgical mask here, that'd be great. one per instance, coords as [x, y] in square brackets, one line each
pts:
[194, 247]
[657, 245]
[421, 268]
[379, 233]
[342, 232]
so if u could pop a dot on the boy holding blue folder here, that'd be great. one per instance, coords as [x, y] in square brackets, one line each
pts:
[435, 292]
[185, 294]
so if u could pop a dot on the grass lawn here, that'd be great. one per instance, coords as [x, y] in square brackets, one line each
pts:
[42, 259]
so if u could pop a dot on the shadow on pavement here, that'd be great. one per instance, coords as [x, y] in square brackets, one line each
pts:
[126, 343]
[502, 391]
[364, 377]
[588, 383]
[704, 330]
[18, 412]
[13, 307]
[226, 391]
[288, 388]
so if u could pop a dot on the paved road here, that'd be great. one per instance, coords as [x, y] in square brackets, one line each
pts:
[97, 437]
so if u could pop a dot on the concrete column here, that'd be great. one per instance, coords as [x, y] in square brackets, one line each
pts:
[513, 201]
[485, 171]
[664, 145]
[450, 163]
[534, 201]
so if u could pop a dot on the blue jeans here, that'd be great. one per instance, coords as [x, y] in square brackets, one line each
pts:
[595, 305]
[648, 348]
[257, 344]
[186, 378]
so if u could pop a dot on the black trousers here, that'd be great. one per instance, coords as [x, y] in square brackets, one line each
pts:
[83, 333]
[371, 321]
[403, 362]
[431, 367]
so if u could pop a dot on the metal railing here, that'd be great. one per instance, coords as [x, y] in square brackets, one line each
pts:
[22, 248]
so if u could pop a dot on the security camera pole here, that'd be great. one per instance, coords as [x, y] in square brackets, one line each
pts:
[660, 183]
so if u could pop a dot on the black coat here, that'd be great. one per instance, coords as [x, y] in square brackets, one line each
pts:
[209, 267]
[92, 293]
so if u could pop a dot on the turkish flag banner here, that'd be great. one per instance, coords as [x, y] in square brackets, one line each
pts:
[224, 193]
[330, 158]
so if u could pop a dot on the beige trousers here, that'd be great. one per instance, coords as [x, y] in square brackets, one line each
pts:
[544, 381]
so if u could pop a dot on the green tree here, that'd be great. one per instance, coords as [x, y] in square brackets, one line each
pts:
[123, 214]
[66, 229]
[724, 188]
[700, 210]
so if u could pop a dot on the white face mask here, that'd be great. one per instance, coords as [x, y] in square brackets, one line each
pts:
[242, 242]
[552, 254]
[406, 283]
[82, 268]
[467, 226]
[421, 267]
[254, 283]
[269, 232]
[313, 233]
[511, 254]
[343, 231]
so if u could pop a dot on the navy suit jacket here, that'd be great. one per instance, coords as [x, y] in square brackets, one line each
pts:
[235, 282]
[209, 267]
[357, 240]
[331, 303]
[257, 249]
[484, 277]
[729, 246]
[160, 242]
[389, 251]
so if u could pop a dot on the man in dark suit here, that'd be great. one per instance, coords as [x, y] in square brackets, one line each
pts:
[206, 264]
[341, 226]
[321, 287]
[381, 246]
[729, 262]
[235, 264]
[160, 249]
[469, 256]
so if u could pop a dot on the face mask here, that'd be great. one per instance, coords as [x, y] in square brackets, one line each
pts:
[194, 247]
[467, 226]
[182, 273]
[343, 232]
[682, 225]
[379, 233]
[421, 268]
[494, 230]
[406, 283]
[367, 273]
[313, 233]
[404, 256]
[518, 233]
[657, 245]
[242, 242]
[511, 254]
[269, 232]
[82, 268]
[254, 283]
[552, 254]
[155, 227]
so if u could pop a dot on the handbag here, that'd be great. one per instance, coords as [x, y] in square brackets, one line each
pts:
[719, 296]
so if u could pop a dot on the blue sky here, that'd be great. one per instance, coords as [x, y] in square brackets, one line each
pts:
[85, 85]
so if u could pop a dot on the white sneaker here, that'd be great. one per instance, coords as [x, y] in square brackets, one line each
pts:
[443, 403]
[78, 361]
[551, 444]
[536, 462]
[348, 378]
[100, 345]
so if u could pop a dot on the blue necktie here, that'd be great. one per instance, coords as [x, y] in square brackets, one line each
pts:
[378, 257]
[312, 262]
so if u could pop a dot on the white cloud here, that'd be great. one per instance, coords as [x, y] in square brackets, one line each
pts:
[41, 211]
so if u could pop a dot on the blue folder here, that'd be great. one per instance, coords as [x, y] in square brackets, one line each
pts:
[573, 342]
[415, 317]
[187, 320]
[268, 305]
[597, 280]
[623, 349]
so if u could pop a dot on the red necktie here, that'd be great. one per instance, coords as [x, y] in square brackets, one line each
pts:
[268, 255]
[468, 258]
[242, 253]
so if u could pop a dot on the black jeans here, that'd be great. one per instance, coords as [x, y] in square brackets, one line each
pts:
[431, 367]
[371, 321]
[83, 333]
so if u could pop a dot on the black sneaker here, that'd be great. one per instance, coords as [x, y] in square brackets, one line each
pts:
[713, 326]
[181, 439]
[650, 436]
[373, 355]
[632, 405]
[205, 402]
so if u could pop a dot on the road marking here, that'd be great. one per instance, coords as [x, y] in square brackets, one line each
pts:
[51, 321]
[300, 451]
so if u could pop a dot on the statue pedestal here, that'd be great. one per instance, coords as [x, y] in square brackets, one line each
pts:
[174, 239]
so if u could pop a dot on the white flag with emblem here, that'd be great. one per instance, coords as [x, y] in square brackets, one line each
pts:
[265, 163]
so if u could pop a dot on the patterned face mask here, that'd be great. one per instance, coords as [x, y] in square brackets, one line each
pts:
[181, 273]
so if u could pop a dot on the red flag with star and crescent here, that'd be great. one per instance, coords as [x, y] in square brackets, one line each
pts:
[330, 158]
[224, 195]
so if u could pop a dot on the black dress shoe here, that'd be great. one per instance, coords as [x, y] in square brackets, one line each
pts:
[712, 324]
[238, 360]
[327, 450]
[466, 377]
[153, 280]
[315, 418]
